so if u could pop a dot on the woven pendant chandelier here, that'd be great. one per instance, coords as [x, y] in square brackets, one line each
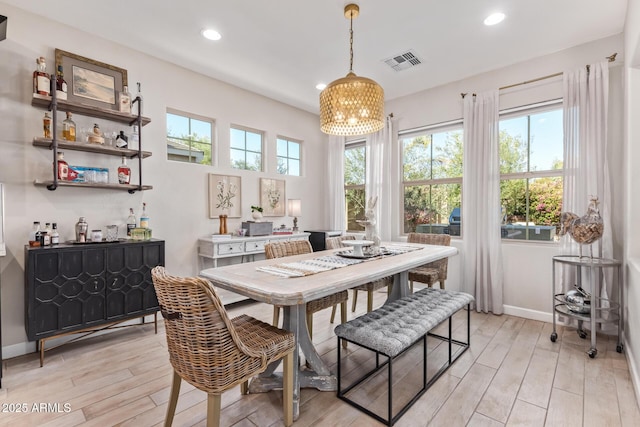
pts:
[351, 105]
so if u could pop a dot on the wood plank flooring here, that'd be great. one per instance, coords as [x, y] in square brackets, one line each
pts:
[512, 375]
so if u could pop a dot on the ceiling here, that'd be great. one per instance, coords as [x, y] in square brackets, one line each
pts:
[283, 48]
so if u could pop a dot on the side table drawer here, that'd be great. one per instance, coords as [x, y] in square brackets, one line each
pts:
[230, 248]
[255, 246]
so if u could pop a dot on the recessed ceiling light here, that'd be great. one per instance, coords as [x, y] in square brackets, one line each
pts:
[321, 86]
[494, 18]
[211, 34]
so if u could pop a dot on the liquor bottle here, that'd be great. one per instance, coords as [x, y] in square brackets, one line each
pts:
[38, 235]
[46, 126]
[55, 236]
[139, 95]
[124, 172]
[63, 167]
[121, 140]
[69, 128]
[131, 222]
[46, 235]
[61, 85]
[33, 237]
[124, 100]
[134, 137]
[41, 80]
[144, 217]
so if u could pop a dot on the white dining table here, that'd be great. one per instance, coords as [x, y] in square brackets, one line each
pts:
[293, 293]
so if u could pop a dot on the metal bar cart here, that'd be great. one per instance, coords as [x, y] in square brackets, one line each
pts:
[601, 310]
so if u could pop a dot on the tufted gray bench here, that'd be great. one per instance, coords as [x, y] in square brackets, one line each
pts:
[396, 327]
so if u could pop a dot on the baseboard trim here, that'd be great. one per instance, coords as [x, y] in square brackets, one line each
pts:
[528, 314]
[633, 370]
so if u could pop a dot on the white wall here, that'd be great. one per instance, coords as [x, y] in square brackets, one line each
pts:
[178, 202]
[527, 266]
[632, 194]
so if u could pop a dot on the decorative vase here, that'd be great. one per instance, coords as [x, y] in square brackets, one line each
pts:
[257, 216]
[223, 224]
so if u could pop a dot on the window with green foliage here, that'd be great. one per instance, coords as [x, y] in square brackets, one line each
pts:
[288, 153]
[354, 178]
[189, 138]
[246, 149]
[531, 161]
[432, 180]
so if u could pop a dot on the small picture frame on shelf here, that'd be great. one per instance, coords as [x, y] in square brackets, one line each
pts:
[91, 82]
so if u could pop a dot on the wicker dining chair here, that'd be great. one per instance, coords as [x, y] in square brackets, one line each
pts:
[297, 247]
[432, 272]
[213, 352]
[371, 287]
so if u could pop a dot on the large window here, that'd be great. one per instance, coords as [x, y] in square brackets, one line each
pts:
[531, 160]
[246, 149]
[354, 178]
[432, 180]
[189, 138]
[288, 153]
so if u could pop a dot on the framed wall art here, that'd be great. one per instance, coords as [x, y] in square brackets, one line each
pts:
[272, 196]
[91, 82]
[224, 196]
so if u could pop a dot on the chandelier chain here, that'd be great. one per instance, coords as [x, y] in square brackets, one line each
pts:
[351, 43]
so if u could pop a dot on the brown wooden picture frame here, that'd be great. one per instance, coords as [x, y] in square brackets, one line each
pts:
[91, 82]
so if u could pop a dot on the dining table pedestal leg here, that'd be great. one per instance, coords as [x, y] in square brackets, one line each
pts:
[319, 376]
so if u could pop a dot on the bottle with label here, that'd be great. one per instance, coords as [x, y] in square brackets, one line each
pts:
[139, 95]
[55, 236]
[121, 140]
[38, 236]
[124, 100]
[61, 85]
[124, 172]
[33, 234]
[134, 138]
[69, 129]
[81, 230]
[63, 167]
[46, 235]
[41, 80]
[144, 217]
[46, 126]
[131, 222]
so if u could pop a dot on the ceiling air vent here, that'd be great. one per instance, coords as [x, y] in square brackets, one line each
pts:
[403, 61]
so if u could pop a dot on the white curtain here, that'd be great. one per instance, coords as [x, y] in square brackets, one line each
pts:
[378, 181]
[586, 169]
[335, 173]
[481, 215]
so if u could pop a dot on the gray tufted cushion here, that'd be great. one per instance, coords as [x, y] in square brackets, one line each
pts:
[395, 326]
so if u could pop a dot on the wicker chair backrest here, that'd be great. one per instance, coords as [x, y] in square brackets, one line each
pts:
[433, 239]
[336, 242]
[204, 347]
[283, 249]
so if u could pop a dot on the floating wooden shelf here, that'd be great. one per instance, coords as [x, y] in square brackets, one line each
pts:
[87, 110]
[125, 187]
[89, 148]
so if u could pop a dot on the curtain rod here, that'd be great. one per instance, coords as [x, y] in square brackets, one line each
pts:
[610, 58]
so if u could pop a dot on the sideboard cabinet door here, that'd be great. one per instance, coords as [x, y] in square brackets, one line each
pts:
[129, 286]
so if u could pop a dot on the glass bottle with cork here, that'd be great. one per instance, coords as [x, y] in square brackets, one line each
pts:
[61, 85]
[124, 172]
[41, 80]
[63, 167]
[69, 129]
[131, 222]
[46, 126]
[124, 100]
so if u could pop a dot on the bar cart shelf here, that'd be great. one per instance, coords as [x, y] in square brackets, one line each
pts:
[602, 311]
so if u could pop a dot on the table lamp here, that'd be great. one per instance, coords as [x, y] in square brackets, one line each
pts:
[294, 209]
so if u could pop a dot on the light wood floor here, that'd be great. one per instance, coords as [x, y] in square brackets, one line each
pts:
[511, 375]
